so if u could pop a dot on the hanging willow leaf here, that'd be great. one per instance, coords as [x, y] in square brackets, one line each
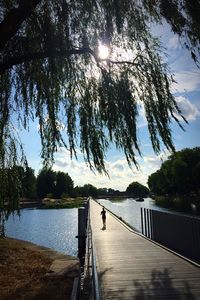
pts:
[50, 72]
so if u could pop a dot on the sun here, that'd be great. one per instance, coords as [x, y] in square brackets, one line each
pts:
[103, 51]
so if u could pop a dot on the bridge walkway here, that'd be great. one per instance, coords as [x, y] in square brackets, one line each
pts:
[131, 267]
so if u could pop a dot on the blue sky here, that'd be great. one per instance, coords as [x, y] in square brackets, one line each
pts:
[187, 92]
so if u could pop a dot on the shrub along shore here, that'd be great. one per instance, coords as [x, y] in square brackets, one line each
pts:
[189, 205]
[48, 203]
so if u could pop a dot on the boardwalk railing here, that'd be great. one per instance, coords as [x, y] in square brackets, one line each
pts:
[177, 232]
[91, 289]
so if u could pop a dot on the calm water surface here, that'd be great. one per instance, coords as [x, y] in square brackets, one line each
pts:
[57, 228]
[129, 209]
[53, 228]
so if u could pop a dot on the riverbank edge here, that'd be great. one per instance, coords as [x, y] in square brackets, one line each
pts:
[63, 269]
[52, 203]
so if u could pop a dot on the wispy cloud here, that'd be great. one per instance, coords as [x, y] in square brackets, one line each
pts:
[188, 109]
[187, 81]
[120, 175]
[153, 162]
[174, 42]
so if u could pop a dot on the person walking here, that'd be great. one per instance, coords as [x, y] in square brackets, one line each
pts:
[103, 214]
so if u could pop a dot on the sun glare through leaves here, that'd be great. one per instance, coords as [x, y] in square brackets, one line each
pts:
[103, 51]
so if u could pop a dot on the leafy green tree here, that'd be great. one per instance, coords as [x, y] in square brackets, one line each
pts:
[86, 190]
[54, 183]
[29, 183]
[154, 183]
[188, 173]
[10, 176]
[102, 191]
[49, 52]
[136, 189]
[167, 180]
[179, 175]
[76, 192]
[15, 182]
[10, 190]
[196, 177]
[46, 181]
[10, 193]
[50, 64]
[64, 184]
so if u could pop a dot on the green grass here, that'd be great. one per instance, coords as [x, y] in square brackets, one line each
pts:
[63, 203]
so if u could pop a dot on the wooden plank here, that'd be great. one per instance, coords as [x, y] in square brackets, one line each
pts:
[131, 267]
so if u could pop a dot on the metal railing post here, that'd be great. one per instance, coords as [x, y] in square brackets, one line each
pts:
[148, 224]
[142, 221]
[91, 272]
[145, 223]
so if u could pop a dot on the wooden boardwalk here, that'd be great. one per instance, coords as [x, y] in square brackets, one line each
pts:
[131, 267]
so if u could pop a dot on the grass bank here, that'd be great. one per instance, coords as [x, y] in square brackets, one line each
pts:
[49, 203]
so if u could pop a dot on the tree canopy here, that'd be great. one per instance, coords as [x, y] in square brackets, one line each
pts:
[15, 183]
[50, 71]
[64, 185]
[136, 189]
[179, 175]
[53, 183]
[46, 181]
[86, 190]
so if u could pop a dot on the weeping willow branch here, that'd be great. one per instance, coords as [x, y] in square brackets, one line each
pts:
[50, 72]
[14, 19]
[49, 53]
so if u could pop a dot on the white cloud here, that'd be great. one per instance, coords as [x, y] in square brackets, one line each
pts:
[189, 110]
[187, 81]
[152, 163]
[174, 42]
[120, 175]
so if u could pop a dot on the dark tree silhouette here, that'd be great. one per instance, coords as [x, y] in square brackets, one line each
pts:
[64, 185]
[46, 181]
[50, 71]
[136, 189]
[179, 175]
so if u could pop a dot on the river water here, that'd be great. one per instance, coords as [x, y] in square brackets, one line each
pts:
[58, 228]
[129, 209]
[52, 228]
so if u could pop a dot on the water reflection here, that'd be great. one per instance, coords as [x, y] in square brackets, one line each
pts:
[53, 228]
[129, 209]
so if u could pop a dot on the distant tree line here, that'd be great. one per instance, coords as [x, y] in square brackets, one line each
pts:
[179, 175]
[60, 184]
[54, 184]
